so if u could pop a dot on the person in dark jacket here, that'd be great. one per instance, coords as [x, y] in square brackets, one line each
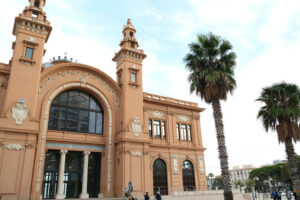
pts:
[158, 196]
[147, 196]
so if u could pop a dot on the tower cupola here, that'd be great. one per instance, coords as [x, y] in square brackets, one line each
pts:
[129, 39]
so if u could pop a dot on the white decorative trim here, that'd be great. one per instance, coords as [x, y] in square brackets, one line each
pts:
[183, 118]
[82, 81]
[136, 126]
[156, 113]
[19, 111]
[13, 146]
[175, 164]
[137, 154]
[201, 164]
[45, 129]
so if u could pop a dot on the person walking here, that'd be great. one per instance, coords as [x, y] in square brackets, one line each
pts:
[288, 195]
[158, 196]
[273, 195]
[147, 196]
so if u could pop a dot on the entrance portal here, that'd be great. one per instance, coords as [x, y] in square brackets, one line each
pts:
[160, 181]
[73, 173]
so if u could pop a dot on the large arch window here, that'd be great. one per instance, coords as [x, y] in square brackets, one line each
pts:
[76, 111]
[160, 180]
[188, 176]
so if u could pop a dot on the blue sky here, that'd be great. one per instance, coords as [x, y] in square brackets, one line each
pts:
[265, 35]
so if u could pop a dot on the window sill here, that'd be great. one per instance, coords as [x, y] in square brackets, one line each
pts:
[27, 61]
[133, 84]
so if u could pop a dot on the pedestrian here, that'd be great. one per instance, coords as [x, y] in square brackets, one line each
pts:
[295, 195]
[147, 196]
[288, 195]
[158, 196]
[278, 195]
[273, 195]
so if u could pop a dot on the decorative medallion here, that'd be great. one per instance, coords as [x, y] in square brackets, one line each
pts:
[136, 126]
[19, 111]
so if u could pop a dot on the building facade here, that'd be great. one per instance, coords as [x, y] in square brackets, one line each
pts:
[68, 130]
[241, 174]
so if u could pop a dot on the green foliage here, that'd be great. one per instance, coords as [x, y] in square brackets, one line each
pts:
[239, 183]
[281, 110]
[250, 183]
[210, 63]
[218, 182]
[278, 173]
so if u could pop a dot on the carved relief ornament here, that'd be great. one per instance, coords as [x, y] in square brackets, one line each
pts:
[19, 111]
[156, 113]
[183, 118]
[16, 147]
[83, 78]
[136, 126]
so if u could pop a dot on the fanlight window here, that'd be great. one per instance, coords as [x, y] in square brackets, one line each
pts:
[76, 111]
[188, 176]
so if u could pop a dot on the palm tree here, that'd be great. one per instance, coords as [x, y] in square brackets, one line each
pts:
[281, 112]
[210, 63]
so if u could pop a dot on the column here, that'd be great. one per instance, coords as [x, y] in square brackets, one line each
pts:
[84, 194]
[60, 194]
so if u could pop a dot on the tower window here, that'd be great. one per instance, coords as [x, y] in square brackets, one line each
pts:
[37, 3]
[133, 77]
[131, 34]
[29, 52]
[132, 44]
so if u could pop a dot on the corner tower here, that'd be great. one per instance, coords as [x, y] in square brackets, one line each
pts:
[129, 76]
[32, 31]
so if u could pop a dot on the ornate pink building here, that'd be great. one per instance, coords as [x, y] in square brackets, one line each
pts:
[68, 130]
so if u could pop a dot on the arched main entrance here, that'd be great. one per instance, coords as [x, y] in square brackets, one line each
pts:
[73, 111]
[160, 179]
[188, 178]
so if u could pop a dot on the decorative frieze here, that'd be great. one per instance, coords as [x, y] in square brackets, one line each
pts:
[137, 154]
[17, 147]
[183, 118]
[24, 25]
[83, 78]
[157, 114]
[19, 111]
[75, 146]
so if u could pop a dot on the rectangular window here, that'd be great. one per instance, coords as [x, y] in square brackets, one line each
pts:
[178, 131]
[183, 132]
[133, 77]
[163, 129]
[190, 132]
[156, 127]
[150, 127]
[29, 52]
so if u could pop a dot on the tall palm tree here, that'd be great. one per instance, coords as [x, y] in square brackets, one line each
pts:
[210, 63]
[281, 112]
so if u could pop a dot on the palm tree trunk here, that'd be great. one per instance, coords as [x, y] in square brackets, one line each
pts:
[289, 148]
[222, 149]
